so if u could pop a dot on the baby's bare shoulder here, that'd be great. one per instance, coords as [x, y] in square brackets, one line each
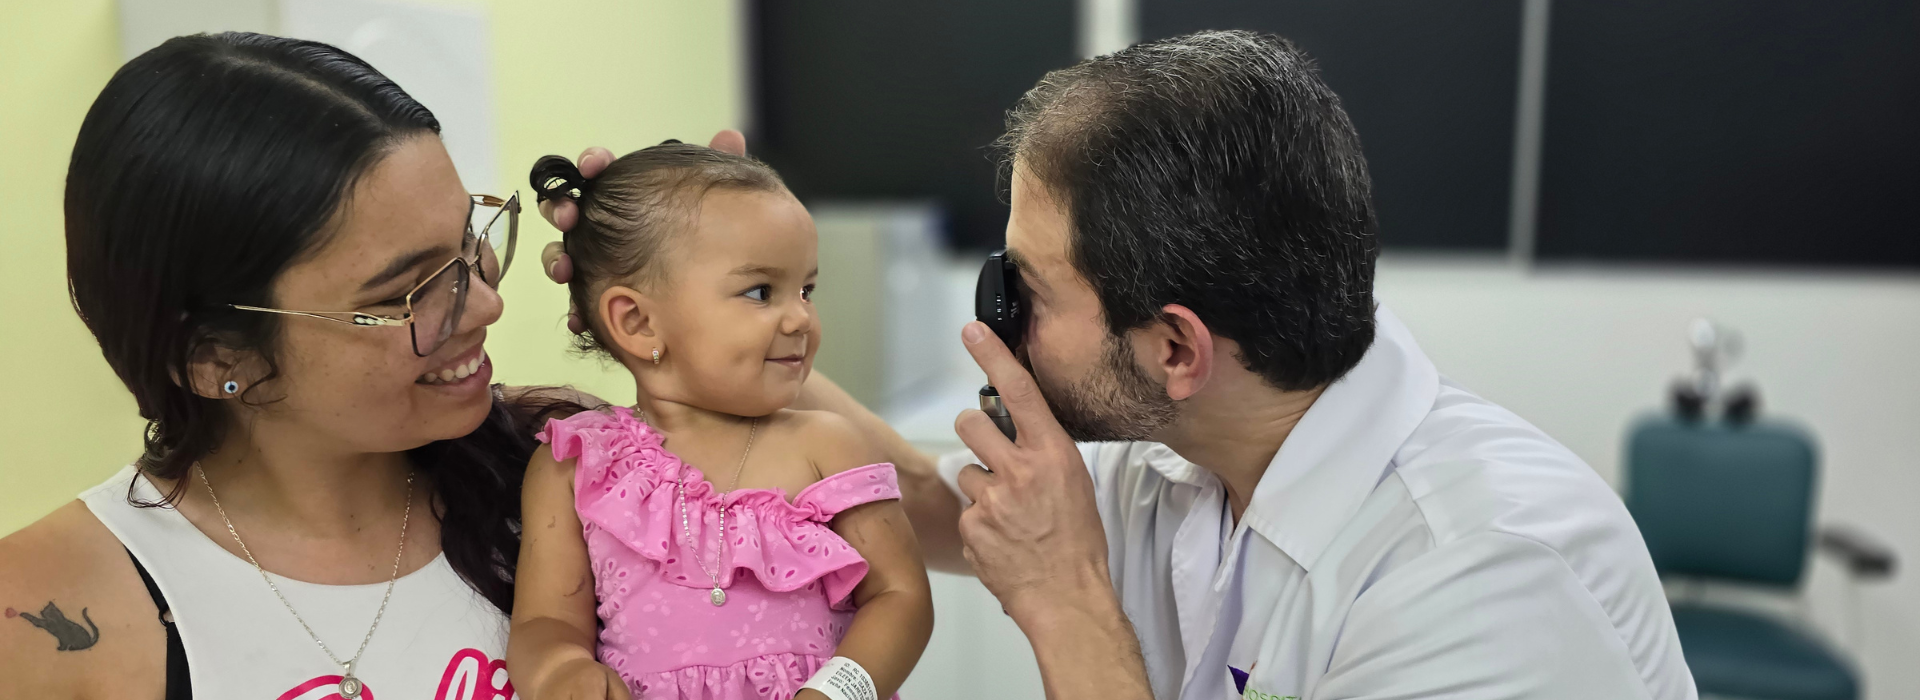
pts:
[831, 442]
[813, 424]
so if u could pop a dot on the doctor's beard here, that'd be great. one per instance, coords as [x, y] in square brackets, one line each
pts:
[1115, 402]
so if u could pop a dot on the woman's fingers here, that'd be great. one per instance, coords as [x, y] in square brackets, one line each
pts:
[562, 213]
[730, 141]
[554, 260]
[559, 267]
[559, 212]
[593, 161]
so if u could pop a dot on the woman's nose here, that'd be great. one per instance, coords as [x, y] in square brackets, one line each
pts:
[484, 306]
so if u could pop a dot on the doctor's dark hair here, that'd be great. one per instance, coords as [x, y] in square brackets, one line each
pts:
[1216, 171]
[631, 213]
[205, 168]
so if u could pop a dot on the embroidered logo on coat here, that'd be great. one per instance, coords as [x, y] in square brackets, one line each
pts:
[1248, 693]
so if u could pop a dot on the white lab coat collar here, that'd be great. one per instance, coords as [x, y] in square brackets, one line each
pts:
[1342, 447]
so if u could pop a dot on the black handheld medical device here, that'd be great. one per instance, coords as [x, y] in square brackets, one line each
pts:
[997, 303]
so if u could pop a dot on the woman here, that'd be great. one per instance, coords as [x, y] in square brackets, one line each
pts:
[277, 257]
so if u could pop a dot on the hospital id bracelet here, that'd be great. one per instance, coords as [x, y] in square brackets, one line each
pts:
[842, 678]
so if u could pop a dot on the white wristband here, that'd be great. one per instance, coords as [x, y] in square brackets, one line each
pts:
[843, 679]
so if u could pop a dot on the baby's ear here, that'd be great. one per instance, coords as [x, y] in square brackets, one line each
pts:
[627, 318]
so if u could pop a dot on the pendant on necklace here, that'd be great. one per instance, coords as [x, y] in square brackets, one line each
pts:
[350, 687]
[719, 597]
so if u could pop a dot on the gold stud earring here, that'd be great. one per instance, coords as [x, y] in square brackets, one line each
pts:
[656, 356]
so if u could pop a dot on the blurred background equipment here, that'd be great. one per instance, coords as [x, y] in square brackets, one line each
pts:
[1729, 499]
[1429, 86]
[877, 99]
[879, 301]
[1715, 348]
[1771, 132]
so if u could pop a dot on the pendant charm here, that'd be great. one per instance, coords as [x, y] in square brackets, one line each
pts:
[350, 687]
[719, 597]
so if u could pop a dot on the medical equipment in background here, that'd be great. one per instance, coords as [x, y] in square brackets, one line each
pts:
[880, 291]
[1715, 349]
[1722, 493]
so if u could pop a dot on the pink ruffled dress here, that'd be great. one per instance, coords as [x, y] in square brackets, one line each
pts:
[788, 579]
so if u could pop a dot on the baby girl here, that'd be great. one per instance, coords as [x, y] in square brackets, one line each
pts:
[709, 542]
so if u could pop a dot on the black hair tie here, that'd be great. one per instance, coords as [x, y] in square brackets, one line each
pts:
[555, 176]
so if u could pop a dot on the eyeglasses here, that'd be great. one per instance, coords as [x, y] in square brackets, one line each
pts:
[434, 307]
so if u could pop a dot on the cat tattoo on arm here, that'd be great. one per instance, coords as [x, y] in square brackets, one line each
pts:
[70, 634]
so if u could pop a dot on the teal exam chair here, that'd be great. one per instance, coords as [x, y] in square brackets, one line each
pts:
[1730, 499]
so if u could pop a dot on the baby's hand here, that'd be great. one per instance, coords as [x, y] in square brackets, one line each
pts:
[582, 679]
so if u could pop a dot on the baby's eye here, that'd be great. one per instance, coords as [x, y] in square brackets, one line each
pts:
[807, 292]
[759, 293]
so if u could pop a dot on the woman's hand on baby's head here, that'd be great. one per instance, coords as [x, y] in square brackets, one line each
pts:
[561, 212]
[563, 215]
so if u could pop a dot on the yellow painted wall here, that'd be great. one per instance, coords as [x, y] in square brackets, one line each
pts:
[65, 420]
[642, 72]
[654, 69]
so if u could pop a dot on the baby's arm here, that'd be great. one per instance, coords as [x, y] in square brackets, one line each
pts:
[895, 615]
[551, 650]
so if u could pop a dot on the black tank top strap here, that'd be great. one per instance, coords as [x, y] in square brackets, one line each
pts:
[179, 685]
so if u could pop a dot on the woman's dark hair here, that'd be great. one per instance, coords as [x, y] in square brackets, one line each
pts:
[204, 169]
[1216, 171]
[630, 212]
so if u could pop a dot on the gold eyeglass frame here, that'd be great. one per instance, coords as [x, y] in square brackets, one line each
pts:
[509, 207]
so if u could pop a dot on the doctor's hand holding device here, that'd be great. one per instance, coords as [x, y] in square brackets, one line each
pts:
[997, 303]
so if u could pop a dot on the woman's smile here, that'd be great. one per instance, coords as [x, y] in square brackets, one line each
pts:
[469, 368]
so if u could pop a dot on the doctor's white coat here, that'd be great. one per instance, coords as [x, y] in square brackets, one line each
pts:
[1409, 540]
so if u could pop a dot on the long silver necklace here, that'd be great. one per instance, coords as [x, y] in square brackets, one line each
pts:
[350, 685]
[718, 595]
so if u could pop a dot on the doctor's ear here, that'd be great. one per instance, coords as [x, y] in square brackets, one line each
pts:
[627, 317]
[1178, 350]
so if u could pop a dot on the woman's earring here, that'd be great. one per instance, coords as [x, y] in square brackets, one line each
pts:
[656, 356]
[233, 387]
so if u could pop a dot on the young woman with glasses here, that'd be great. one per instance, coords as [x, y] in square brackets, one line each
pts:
[279, 261]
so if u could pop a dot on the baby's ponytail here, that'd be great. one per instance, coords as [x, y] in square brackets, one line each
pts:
[554, 177]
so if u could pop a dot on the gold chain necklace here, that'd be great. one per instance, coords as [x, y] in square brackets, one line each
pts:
[350, 685]
[718, 596]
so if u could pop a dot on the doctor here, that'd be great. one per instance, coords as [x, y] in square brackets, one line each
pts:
[1236, 475]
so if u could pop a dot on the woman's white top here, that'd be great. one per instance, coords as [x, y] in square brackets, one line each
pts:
[439, 640]
[1409, 540]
